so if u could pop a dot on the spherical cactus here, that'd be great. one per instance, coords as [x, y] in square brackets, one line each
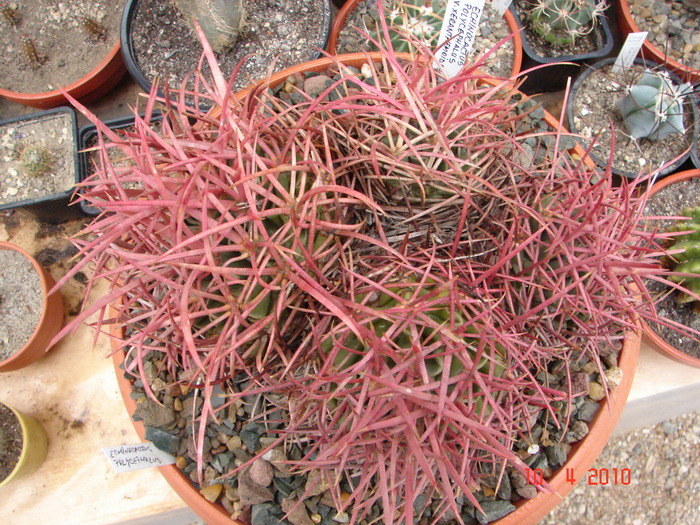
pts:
[687, 261]
[420, 19]
[560, 22]
[653, 107]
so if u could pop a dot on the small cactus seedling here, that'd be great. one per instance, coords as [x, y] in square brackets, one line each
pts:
[561, 22]
[9, 13]
[687, 261]
[33, 58]
[221, 20]
[653, 107]
[95, 31]
[36, 160]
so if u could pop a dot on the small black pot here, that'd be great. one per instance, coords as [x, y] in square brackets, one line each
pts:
[555, 76]
[85, 137]
[53, 208]
[680, 163]
[125, 32]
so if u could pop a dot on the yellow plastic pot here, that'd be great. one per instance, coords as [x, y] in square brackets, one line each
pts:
[34, 447]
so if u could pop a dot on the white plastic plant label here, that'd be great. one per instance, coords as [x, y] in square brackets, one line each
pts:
[629, 51]
[457, 34]
[125, 458]
[501, 6]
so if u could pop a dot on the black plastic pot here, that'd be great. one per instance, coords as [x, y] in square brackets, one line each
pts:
[680, 163]
[125, 33]
[555, 76]
[86, 136]
[53, 208]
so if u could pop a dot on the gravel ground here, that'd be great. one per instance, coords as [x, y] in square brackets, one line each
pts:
[664, 484]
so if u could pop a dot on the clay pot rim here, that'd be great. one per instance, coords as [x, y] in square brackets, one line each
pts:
[658, 343]
[580, 459]
[516, 38]
[46, 285]
[111, 65]
[628, 25]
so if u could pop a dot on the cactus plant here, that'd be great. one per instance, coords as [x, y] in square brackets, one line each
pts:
[36, 160]
[687, 260]
[561, 22]
[222, 21]
[422, 19]
[653, 107]
[394, 265]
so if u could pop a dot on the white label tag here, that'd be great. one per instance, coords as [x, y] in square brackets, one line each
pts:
[458, 31]
[133, 457]
[629, 51]
[501, 6]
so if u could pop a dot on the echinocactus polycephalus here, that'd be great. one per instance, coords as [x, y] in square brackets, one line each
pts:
[561, 22]
[686, 255]
[653, 108]
[392, 265]
[418, 374]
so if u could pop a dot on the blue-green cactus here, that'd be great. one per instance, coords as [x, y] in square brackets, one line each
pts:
[653, 107]
[561, 22]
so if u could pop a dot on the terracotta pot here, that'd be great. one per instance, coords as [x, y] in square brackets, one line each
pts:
[49, 324]
[92, 86]
[627, 25]
[34, 447]
[582, 456]
[530, 511]
[658, 343]
[349, 7]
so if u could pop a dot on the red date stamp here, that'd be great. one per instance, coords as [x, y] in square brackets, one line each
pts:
[595, 476]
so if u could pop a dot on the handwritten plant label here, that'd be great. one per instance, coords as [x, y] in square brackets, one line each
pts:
[629, 51]
[457, 34]
[125, 458]
[501, 6]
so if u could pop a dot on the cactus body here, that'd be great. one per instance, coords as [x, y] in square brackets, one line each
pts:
[688, 260]
[419, 18]
[560, 22]
[653, 108]
[221, 20]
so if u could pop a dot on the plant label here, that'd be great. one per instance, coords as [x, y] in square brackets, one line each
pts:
[457, 34]
[125, 458]
[629, 51]
[501, 6]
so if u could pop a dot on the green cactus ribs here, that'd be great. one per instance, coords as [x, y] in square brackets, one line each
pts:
[653, 107]
[686, 263]
[561, 22]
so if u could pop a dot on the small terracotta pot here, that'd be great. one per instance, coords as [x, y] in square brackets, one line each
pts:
[34, 447]
[627, 25]
[98, 82]
[349, 7]
[658, 343]
[50, 322]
